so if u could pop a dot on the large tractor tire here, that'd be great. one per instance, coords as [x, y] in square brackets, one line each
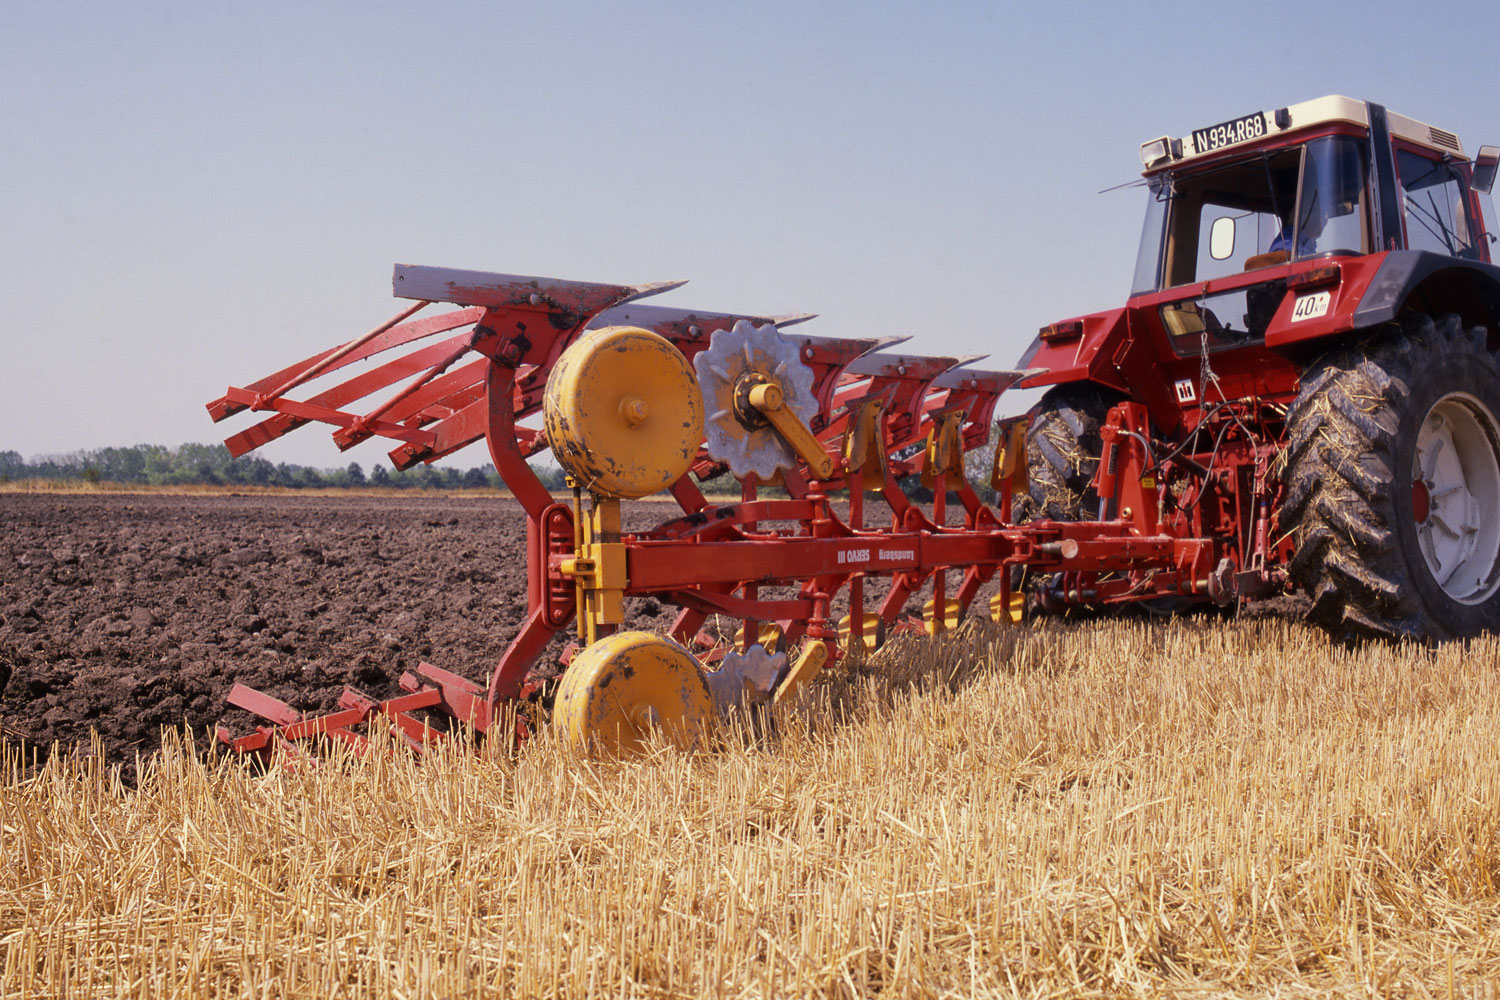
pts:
[1393, 484]
[1062, 451]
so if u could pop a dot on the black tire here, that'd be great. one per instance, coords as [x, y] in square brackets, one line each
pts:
[1062, 451]
[1353, 497]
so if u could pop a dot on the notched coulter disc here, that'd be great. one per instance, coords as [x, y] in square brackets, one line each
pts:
[736, 359]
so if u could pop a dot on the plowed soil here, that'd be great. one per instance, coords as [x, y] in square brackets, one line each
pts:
[123, 614]
[127, 613]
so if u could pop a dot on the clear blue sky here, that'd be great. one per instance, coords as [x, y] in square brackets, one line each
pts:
[197, 194]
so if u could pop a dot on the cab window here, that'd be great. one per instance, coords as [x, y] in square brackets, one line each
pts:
[1208, 222]
[1433, 196]
[1222, 219]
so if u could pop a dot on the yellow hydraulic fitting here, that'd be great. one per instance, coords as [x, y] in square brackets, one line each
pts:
[598, 570]
[768, 400]
[945, 449]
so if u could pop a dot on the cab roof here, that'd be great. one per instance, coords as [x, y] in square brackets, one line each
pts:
[1320, 111]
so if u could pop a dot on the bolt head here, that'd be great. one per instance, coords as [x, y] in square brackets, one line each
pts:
[633, 409]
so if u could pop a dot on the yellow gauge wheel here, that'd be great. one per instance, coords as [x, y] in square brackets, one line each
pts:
[622, 686]
[624, 413]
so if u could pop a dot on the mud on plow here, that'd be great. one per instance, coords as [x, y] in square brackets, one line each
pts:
[637, 400]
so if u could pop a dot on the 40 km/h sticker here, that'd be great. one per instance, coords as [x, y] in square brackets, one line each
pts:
[1310, 306]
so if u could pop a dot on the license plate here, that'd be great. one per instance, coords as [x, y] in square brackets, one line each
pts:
[1230, 132]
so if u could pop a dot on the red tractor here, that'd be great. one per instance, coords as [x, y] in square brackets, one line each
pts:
[1300, 393]
[1312, 335]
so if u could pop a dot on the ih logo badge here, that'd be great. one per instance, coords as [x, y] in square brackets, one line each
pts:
[1185, 391]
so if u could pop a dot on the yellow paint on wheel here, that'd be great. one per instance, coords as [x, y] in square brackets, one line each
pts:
[624, 413]
[622, 686]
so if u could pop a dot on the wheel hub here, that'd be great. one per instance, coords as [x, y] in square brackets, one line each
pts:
[748, 416]
[1456, 497]
[1421, 501]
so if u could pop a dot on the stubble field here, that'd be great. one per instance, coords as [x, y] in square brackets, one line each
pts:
[1193, 807]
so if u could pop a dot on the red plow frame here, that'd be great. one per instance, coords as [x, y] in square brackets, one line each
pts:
[479, 370]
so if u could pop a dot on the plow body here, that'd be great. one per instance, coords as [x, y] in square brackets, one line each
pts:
[842, 423]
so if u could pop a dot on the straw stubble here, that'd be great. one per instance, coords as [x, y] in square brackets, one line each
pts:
[1191, 807]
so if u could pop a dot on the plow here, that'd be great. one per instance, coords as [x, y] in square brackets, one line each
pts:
[638, 400]
[1315, 413]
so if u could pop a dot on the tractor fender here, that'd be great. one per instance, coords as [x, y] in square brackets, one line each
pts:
[1081, 349]
[1380, 289]
[1433, 284]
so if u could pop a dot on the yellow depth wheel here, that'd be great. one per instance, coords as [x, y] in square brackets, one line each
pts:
[624, 413]
[615, 691]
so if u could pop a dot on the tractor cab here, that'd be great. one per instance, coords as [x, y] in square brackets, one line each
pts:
[1237, 209]
[1266, 236]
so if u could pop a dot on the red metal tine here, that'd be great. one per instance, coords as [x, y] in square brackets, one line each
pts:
[366, 425]
[332, 724]
[365, 383]
[416, 732]
[425, 404]
[318, 367]
[289, 724]
[413, 732]
[305, 413]
[396, 336]
[460, 697]
[261, 704]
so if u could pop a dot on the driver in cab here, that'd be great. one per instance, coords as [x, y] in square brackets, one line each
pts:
[1307, 236]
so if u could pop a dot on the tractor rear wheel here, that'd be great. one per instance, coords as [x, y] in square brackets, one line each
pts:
[1393, 484]
[1063, 448]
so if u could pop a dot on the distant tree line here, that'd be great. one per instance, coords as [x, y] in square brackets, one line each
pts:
[212, 465]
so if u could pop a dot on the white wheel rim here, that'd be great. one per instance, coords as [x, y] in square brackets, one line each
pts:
[1457, 463]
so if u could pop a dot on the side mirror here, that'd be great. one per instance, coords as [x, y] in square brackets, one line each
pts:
[1221, 238]
[1485, 165]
